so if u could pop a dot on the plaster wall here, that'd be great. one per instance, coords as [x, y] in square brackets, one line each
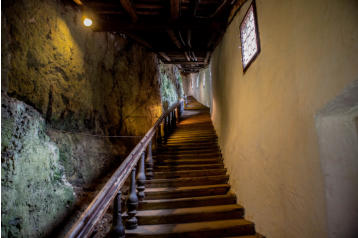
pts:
[199, 86]
[338, 142]
[265, 117]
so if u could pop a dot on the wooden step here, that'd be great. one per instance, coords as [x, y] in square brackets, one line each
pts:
[187, 156]
[187, 215]
[187, 149]
[199, 132]
[191, 152]
[190, 140]
[218, 228]
[202, 201]
[197, 135]
[189, 173]
[181, 192]
[163, 168]
[174, 161]
[180, 182]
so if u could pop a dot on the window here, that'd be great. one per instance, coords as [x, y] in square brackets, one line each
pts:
[249, 35]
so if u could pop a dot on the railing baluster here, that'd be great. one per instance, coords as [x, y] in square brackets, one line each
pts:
[174, 119]
[169, 123]
[141, 178]
[132, 204]
[117, 230]
[165, 129]
[159, 133]
[149, 161]
[85, 224]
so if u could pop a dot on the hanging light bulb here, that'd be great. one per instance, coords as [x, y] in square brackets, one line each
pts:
[87, 22]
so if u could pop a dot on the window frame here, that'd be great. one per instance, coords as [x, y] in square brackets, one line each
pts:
[253, 5]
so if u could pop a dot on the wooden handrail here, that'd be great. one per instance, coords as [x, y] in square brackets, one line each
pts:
[99, 205]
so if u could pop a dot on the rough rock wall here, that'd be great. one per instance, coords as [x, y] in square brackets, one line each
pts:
[82, 83]
[171, 85]
[76, 78]
[34, 191]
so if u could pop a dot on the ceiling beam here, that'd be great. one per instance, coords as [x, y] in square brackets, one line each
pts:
[174, 39]
[146, 44]
[127, 5]
[174, 9]
[207, 57]
[189, 38]
[165, 57]
[114, 24]
[195, 7]
[218, 9]
[187, 56]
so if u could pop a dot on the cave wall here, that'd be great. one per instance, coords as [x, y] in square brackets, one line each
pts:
[78, 84]
[76, 78]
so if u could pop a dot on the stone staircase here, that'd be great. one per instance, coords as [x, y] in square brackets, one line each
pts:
[189, 195]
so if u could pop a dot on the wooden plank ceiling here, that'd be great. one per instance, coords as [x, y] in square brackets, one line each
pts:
[182, 32]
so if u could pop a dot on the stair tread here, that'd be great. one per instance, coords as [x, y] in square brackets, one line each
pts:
[191, 173]
[187, 179]
[196, 157]
[188, 227]
[174, 161]
[189, 165]
[187, 199]
[174, 189]
[190, 160]
[189, 210]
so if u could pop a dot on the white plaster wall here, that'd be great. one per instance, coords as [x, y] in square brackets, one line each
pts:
[202, 91]
[265, 118]
[338, 141]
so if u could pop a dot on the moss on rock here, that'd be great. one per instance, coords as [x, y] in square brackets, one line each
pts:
[35, 192]
[171, 85]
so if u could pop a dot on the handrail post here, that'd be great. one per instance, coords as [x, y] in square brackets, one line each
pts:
[178, 113]
[175, 118]
[169, 122]
[117, 230]
[149, 161]
[141, 178]
[181, 108]
[165, 129]
[132, 204]
[159, 131]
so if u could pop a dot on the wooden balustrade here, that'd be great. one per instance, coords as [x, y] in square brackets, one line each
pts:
[111, 191]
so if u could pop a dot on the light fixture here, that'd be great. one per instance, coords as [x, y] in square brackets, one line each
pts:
[87, 22]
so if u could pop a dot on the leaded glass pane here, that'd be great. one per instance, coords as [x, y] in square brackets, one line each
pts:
[249, 38]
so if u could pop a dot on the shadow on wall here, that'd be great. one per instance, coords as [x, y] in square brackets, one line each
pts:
[337, 128]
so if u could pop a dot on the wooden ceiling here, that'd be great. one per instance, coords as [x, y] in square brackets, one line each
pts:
[181, 32]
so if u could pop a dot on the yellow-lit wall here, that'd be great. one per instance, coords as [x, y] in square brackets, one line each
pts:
[265, 118]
